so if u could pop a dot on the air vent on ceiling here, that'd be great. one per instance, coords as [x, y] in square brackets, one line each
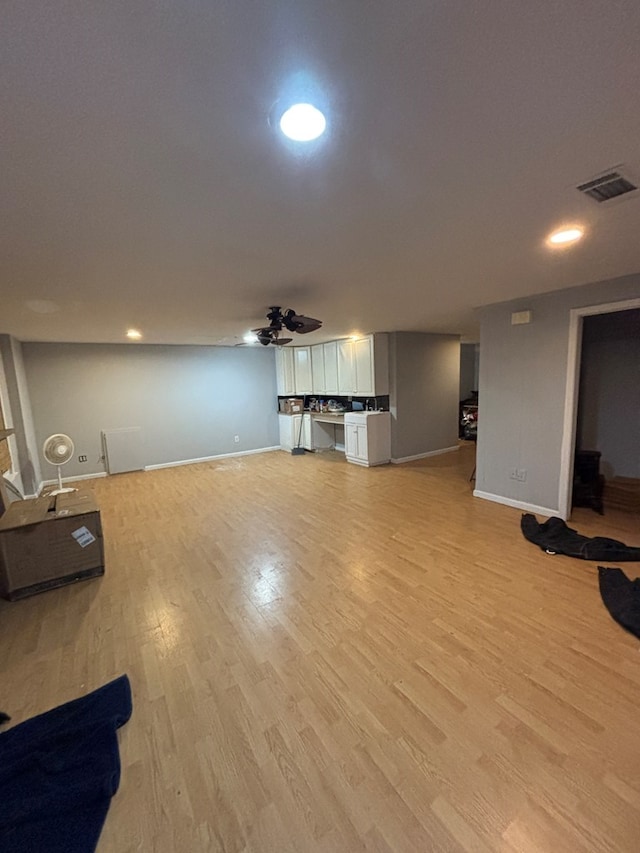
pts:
[607, 187]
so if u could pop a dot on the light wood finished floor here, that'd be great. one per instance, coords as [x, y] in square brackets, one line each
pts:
[331, 658]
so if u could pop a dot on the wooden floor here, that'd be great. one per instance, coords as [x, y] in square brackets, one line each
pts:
[330, 658]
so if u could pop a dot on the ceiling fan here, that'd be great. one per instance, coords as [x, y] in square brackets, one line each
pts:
[288, 319]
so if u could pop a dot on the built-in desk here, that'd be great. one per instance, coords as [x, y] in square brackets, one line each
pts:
[327, 430]
[328, 417]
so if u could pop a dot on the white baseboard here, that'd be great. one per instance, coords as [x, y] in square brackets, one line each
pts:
[72, 479]
[424, 455]
[210, 458]
[499, 499]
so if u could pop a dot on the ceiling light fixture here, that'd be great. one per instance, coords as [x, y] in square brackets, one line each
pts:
[250, 338]
[134, 334]
[565, 235]
[303, 123]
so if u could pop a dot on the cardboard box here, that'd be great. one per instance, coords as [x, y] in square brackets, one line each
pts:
[49, 541]
[292, 406]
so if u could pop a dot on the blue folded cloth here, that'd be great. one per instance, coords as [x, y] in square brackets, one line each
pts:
[58, 772]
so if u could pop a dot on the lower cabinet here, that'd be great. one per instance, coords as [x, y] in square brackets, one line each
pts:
[291, 434]
[355, 443]
[367, 438]
[367, 435]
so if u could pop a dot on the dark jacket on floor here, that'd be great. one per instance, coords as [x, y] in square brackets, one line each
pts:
[554, 537]
[621, 597]
[58, 772]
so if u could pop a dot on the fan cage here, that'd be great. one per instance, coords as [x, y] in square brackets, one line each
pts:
[53, 443]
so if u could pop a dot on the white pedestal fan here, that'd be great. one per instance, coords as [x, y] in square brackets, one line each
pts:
[58, 449]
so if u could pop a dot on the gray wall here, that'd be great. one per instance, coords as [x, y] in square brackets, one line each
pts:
[469, 369]
[523, 373]
[24, 448]
[609, 403]
[425, 378]
[189, 401]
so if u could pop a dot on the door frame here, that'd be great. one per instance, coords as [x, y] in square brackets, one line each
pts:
[574, 357]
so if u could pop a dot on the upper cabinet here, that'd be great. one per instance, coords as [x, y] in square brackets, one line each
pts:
[317, 369]
[285, 379]
[346, 378]
[302, 370]
[344, 368]
[363, 366]
[330, 350]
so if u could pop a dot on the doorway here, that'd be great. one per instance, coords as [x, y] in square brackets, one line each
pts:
[576, 323]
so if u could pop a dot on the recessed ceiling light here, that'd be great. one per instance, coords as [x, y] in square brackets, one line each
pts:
[134, 334]
[565, 235]
[303, 123]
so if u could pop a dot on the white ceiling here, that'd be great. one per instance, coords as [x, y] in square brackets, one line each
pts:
[143, 184]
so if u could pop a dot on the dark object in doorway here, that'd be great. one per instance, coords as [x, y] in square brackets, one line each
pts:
[58, 772]
[554, 537]
[621, 597]
[588, 482]
[4, 718]
[468, 418]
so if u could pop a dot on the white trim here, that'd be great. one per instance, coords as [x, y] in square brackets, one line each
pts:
[571, 394]
[424, 455]
[499, 499]
[72, 479]
[210, 458]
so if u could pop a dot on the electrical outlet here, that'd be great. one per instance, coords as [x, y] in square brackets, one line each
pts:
[82, 458]
[513, 473]
[521, 475]
[236, 439]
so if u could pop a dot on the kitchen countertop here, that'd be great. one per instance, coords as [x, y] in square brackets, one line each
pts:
[328, 417]
[331, 417]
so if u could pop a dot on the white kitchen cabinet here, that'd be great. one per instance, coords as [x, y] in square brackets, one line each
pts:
[307, 433]
[337, 368]
[367, 438]
[302, 370]
[371, 366]
[346, 379]
[363, 366]
[363, 374]
[290, 431]
[285, 425]
[285, 376]
[355, 443]
[317, 369]
[330, 369]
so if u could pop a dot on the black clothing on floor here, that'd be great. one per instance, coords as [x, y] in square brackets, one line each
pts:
[58, 772]
[554, 537]
[621, 597]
